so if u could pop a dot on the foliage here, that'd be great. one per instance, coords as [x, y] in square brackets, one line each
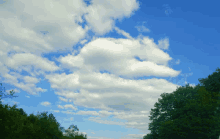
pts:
[188, 112]
[212, 84]
[195, 119]
[15, 123]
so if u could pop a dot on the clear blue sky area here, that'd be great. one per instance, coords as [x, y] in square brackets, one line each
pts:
[103, 64]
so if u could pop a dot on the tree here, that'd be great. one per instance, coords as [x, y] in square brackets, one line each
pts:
[165, 106]
[177, 104]
[11, 123]
[48, 125]
[195, 119]
[15, 123]
[212, 84]
[70, 132]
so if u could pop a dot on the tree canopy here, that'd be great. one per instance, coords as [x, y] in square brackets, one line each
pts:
[188, 112]
[15, 123]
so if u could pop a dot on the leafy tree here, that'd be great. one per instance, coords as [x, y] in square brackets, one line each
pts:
[48, 125]
[70, 132]
[165, 106]
[212, 84]
[195, 119]
[11, 123]
[15, 123]
[176, 106]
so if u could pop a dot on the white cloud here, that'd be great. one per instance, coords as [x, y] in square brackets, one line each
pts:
[119, 31]
[14, 90]
[27, 96]
[22, 46]
[46, 103]
[61, 107]
[57, 111]
[83, 41]
[23, 25]
[178, 62]
[103, 12]
[98, 120]
[69, 106]
[15, 102]
[163, 44]
[68, 112]
[94, 113]
[121, 51]
[30, 59]
[63, 99]
[142, 29]
[116, 91]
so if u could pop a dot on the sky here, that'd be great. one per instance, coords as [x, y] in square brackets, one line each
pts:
[103, 64]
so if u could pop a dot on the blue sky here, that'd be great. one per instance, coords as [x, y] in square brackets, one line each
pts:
[102, 64]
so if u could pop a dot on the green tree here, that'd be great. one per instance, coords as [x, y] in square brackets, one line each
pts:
[15, 123]
[176, 105]
[195, 119]
[212, 84]
[70, 132]
[11, 123]
[164, 107]
[48, 125]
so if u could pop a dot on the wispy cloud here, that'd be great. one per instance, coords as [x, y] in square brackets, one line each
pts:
[142, 28]
[46, 103]
[27, 96]
[168, 10]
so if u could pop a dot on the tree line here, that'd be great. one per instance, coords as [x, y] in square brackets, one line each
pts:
[16, 124]
[189, 112]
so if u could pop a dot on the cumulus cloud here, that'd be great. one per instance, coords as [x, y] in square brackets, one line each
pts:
[33, 28]
[67, 106]
[61, 107]
[46, 103]
[70, 106]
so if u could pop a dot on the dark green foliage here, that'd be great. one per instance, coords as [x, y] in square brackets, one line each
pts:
[16, 124]
[195, 119]
[188, 112]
